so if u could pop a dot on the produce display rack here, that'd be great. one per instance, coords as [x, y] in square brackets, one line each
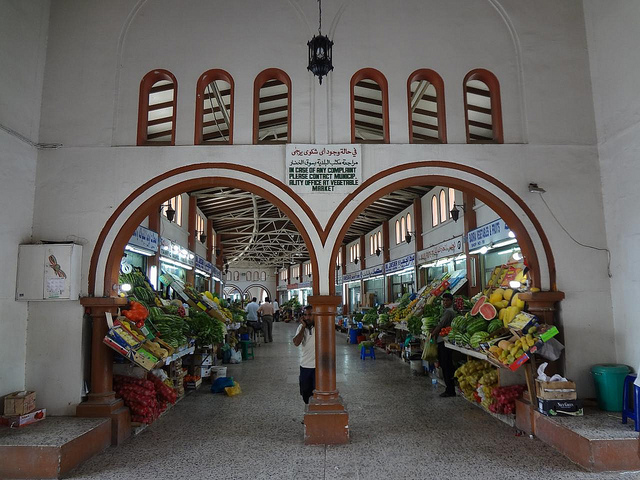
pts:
[180, 354]
[503, 417]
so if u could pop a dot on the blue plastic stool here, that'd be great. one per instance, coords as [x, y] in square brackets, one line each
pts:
[364, 354]
[627, 412]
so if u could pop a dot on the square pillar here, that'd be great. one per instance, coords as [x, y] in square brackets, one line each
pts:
[326, 419]
[101, 401]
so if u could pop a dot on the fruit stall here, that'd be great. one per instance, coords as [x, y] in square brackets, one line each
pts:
[166, 346]
[493, 334]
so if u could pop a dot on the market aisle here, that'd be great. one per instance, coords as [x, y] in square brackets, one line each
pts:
[400, 428]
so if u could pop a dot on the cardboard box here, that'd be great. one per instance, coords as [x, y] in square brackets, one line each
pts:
[19, 403]
[22, 420]
[193, 385]
[552, 408]
[556, 390]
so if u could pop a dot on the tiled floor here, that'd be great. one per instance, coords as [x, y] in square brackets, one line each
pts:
[400, 429]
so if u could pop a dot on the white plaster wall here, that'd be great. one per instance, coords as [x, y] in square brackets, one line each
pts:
[23, 37]
[613, 36]
[401, 249]
[536, 50]
[443, 231]
[541, 65]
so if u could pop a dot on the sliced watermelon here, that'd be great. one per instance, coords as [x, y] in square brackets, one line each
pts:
[488, 311]
[476, 308]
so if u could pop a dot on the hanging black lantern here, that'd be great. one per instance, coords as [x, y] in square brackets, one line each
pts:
[320, 51]
[320, 56]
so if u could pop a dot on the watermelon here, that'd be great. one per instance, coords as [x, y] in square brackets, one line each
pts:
[477, 338]
[477, 325]
[488, 311]
[458, 322]
[494, 325]
[476, 307]
[464, 339]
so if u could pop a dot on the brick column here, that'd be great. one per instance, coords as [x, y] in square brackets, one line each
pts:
[191, 230]
[101, 400]
[470, 223]
[326, 419]
[386, 257]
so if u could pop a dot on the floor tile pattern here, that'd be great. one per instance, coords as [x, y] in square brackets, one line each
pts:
[400, 429]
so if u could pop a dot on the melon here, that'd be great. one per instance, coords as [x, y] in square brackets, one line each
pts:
[488, 311]
[508, 293]
[476, 307]
[495, 298]
[477, 325]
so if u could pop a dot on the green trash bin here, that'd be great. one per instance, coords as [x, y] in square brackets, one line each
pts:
[609, 380]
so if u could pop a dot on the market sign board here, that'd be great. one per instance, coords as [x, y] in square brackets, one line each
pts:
[203, 265]
[399, 264]
[323, 168]
[486, 234]
[447, 248]
[372, 272]
[304, 285]
[352, 277]
[216, 273]
[144, 238]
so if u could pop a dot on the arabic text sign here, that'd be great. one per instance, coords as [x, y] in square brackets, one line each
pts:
[399, 264]
[145, 238]
[441, 250]
[323, 169]
[488, 233]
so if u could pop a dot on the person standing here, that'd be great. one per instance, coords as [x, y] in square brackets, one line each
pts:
[266, 312]
[252, 315]
[445, 357]
[306, 337]
[276, 310]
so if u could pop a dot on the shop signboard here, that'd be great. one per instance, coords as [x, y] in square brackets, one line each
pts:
[282, 288]
[447, 248]
[145, 239]
[486, 234]
[204, 266]
[323, 168]
[352, 277]
[216, 273]
[372, 272]
[304, 285]
[399, 264]
[175, 252]
[292, 286]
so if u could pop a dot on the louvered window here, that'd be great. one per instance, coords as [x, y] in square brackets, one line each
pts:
[157, 109]
[369, 107]
[427, 121]
[483, 111]
[272, 107]
[214, 109]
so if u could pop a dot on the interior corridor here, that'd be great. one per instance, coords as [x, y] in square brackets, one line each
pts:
[400, 428]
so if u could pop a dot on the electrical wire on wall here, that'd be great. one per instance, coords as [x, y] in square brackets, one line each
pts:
[576, 241]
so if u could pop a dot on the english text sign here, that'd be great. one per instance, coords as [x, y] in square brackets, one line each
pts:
[323, 168]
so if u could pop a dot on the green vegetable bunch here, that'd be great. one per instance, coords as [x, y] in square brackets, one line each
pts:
[205, 329]
[414, 325]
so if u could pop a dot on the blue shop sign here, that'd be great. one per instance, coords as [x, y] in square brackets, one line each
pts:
[486, 234]
[203, 265]
[373, 272]
[399, 264]
[144, 238]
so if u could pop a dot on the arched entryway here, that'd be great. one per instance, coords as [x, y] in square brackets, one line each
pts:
[500, 198]
[136, 207]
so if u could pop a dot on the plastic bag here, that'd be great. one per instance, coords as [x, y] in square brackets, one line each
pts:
[219, 384]
[430, 352]
[551, 349]
[236, 356]
[233, 391]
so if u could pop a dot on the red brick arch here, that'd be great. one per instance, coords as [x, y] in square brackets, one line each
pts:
[153, 202]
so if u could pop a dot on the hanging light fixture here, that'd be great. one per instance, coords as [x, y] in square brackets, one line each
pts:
[169, 212]
[320, 51]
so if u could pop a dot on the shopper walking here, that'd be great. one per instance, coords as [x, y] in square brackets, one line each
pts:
[306, 337]
[252, 316]
[266, 312]
[276, 310]
[444, 353]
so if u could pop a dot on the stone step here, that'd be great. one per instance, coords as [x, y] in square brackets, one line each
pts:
[597, 441]
[52, 447]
